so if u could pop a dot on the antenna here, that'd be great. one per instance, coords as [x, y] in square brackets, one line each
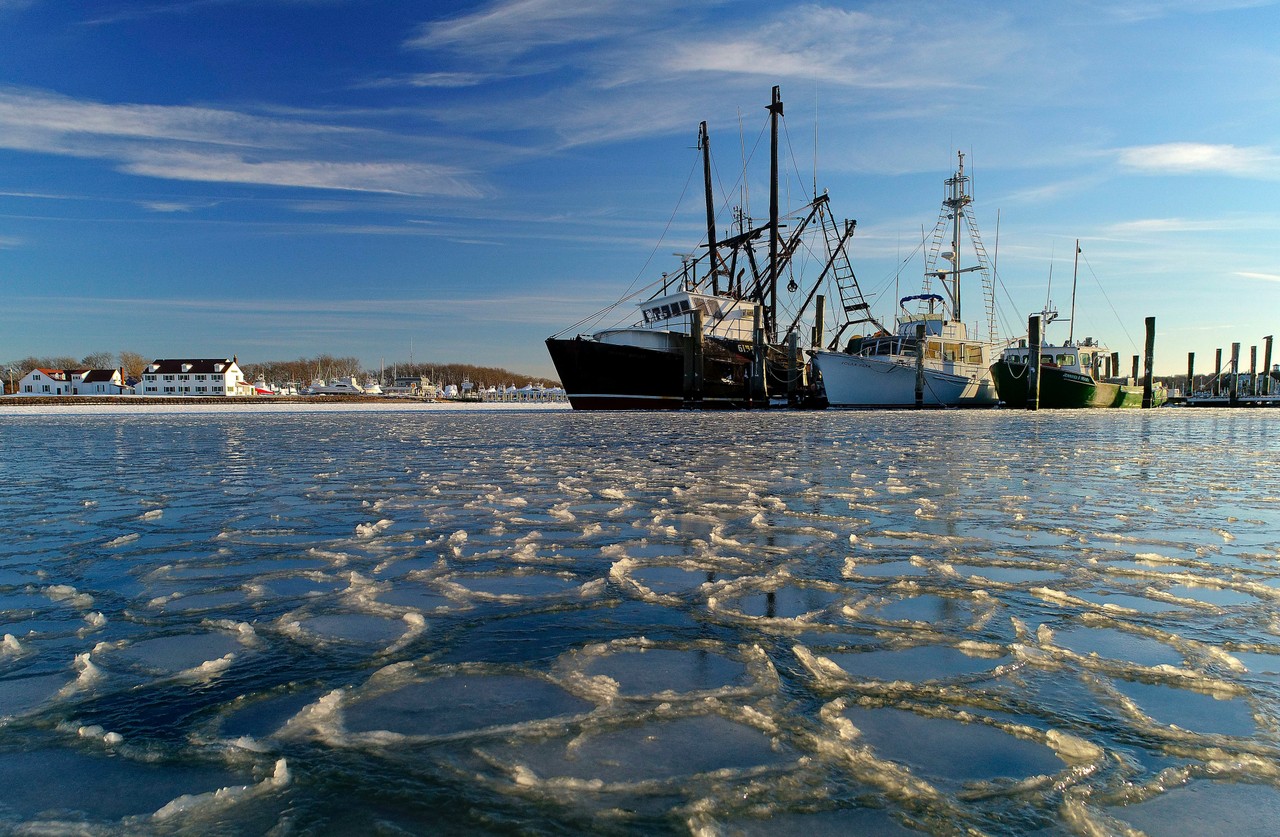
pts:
[815, 140]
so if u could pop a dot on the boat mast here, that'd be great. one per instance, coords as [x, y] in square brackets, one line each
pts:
[1075, 271]
[704, 142]
[775, 111]
[956, 203]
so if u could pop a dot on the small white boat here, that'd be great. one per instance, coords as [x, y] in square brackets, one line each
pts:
[338, 386]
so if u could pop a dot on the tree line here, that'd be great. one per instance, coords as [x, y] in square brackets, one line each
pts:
[301, 371]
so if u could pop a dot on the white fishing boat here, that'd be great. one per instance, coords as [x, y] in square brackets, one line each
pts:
[930, 359]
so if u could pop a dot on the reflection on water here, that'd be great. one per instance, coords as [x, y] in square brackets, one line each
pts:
[548, 621]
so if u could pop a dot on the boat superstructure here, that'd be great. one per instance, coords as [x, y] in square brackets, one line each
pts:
[930, 359]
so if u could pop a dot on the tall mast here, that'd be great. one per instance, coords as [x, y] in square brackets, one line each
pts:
[956, 202]
[775, 111]
[704, 142]
[1075, 271]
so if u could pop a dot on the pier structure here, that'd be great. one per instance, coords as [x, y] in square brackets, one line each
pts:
[1230, 386]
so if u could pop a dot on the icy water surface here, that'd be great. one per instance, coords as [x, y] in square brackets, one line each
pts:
[548, 622]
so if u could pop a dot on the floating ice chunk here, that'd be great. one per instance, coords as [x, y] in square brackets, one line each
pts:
[95, 732]
[368, 530]
[122, 540]
[667, 751]
[1072, 749]
[67, 593]
[222, 797]
[208, 669]
[10, 646]
[460, 704]
[153, 514]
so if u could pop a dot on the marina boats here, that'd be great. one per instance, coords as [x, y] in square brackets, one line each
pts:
[1071, 375]
[930, 359]
[726, 330]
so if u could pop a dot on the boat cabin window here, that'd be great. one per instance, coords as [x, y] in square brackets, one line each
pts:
[973, 354]
[1046, 359]
[950, 352]
[665, 311]
[1084, 358]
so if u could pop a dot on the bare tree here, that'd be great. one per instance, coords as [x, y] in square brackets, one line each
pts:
[133, 364]
[99, 360]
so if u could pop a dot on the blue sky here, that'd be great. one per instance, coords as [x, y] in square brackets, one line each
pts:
[280, 178]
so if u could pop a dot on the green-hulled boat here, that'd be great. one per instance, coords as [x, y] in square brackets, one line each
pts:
[1069, 378]
[1071, 374]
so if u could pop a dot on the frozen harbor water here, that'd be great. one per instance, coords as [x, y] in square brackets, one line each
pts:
[539, 621]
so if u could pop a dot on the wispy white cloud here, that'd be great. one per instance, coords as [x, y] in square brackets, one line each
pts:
[436, 80]
[393, 178]
[1168, 225]
[841, 47]
[215, 145]
[515, 27]
[1194, 158]
[1262, 277]
[1134, 11]
[170, 206]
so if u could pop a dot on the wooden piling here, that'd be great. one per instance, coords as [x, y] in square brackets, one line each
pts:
[1235, 374]
[1033, 362]
[1133, 378]
[1149, 353]
[1217, 373]
[1253, 370]
[793, 367]
[820, 307]
[1266, 366]
[759, 390]
[1115, 365]
[920, 342]
[693, 362]
[1191, 373]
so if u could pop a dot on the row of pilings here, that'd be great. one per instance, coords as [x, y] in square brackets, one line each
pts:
[1235, 385]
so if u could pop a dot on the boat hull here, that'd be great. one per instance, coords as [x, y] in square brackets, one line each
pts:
[1065, 389]
[885, 381]
[610, 376]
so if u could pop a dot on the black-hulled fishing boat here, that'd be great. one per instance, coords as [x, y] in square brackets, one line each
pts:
[719, 333]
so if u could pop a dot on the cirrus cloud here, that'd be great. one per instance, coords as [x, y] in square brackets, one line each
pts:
[1195, 157]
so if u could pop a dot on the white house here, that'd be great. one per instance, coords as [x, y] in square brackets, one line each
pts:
[72, 382]
[193, 377]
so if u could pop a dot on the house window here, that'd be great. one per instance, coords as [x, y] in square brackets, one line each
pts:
[35, 377]
[168, 377]
[46, 388]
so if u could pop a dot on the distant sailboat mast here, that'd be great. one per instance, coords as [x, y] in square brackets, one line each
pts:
[1075, 271]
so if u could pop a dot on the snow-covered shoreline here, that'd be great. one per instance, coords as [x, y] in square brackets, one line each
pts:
[11, 407]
